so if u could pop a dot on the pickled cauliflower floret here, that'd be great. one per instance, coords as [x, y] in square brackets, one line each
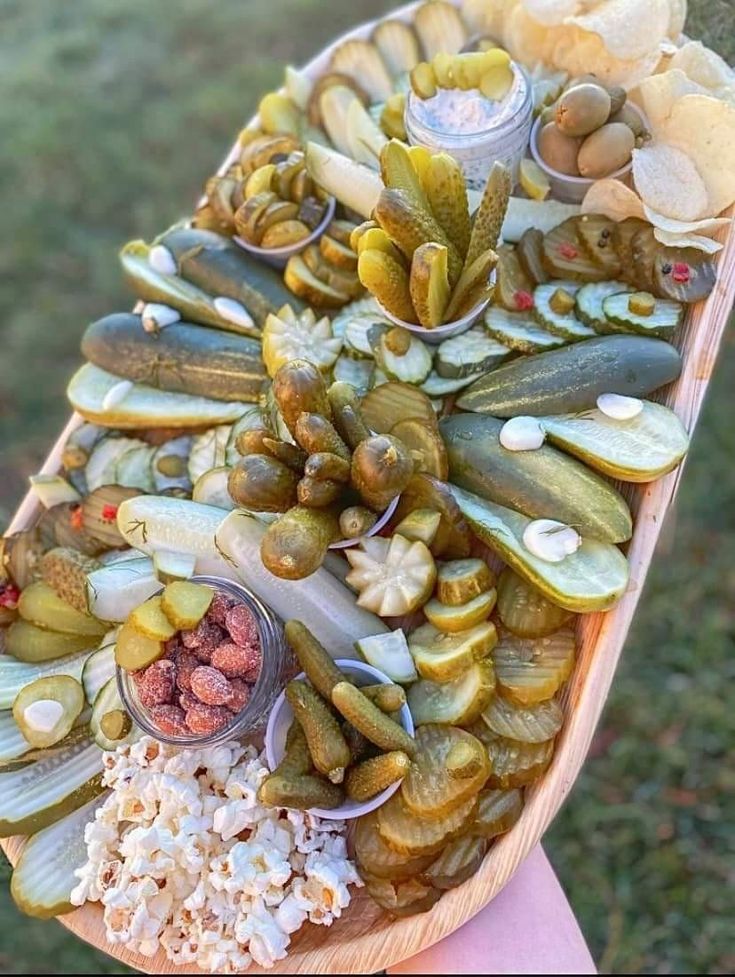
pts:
[183, 857]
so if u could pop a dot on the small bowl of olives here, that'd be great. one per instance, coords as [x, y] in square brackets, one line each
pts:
[589, 134]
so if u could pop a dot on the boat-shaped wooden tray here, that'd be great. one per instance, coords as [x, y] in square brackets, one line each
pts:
[366, 939]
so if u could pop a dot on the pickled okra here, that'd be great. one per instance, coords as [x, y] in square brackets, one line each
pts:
[327, 745]
[364, 715]
[314, 659]
[373, 776]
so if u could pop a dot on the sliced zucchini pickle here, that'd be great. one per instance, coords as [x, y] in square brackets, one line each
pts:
[47, 709]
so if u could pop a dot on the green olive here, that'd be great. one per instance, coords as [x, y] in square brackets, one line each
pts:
[582, 109]
[558, 151]
[606, 150]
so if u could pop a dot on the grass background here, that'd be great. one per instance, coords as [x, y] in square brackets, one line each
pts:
[112, 115]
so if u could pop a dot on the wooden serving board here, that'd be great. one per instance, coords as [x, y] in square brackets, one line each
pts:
[366, 939]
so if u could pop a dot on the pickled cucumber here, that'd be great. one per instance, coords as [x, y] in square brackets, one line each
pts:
[530, 254]
[387, 697]
[443, 657]
[473, 286]
[409, 835]
[459, 581]
[458, 862]
[458, 702]
[379, 859]
[513, 288]
[99, 510]
[261, 483]
[490, 214]
[298, 388]
[346, 414]
[524, 610]
[564, 256]
[65, 570]
[185, 603]
[429, 284]
[497, 812]
[364, 715]
[381, 469]
[316, 433]
[150, 620]
[445, 188]
[134, 650]
[373, 776]
[28, 643]
[389, 653]
[392, 402]
[527, 724]
[39, 604]
[386, 278]
[421, 524]
[355, 521]
[301, 793]
[595, 235]
[431, 789]
[296, 760]
[316, 493]
[464, 761]
[621, 309]
[327, 745]
[516, 764]
[296, 544]
[46, 710]
[529, 671]
[409, 227]
[314, 659]
[451, 619]
[402, 898]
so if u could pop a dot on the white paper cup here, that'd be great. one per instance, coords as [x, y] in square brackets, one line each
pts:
[281, 718]
[278, 257]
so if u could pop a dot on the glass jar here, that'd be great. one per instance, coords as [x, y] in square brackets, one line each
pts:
[278, 664]
[502, 138]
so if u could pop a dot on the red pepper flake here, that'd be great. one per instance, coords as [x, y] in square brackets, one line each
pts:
[681, 272]
[77, 518]
[567, 250]
[109, 513]
[9, 596]
[523, 300]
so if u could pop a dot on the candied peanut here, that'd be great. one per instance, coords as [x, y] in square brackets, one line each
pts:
[210, 686]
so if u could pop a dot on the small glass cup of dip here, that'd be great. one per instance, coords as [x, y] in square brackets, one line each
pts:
[277, 666]
[476, 130]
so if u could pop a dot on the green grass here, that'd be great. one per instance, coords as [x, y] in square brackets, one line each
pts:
[112, 116]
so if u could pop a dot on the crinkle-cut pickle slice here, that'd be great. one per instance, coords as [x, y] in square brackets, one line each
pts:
[640, 449]
[459, 701]
[524, 610]
[531, 670]
[527, 724]
[442, 657]
[408, 834]
[458, 862]
[407, 898]
[497, 811]
[390, 403]
[429, 789]
[516, 764]
[379, 859]
[592, 579]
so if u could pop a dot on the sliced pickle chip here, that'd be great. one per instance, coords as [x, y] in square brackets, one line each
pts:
[461, 580]
[402, 898]
[99, 513]
[527, 724]
[564, 256]
[460, 701]
[531, 670]
[395, 401]
[684, 274]
[516, 764]
[442, 657]
[622, 238]
[497, 812]
[458, 862]
[408, 834]
[430, 789]
[530, 253]
[462, 616]
[595, 235]
[524, 610]
[378, 859]
[643, 250]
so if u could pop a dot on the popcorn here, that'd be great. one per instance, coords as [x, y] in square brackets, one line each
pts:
[183, 857]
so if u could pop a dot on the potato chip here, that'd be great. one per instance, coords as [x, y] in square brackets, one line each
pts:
[551, 12]
[703, 128]
[613, 199]
[658, 94]
[629, 29]
[525, 39]
[703, 66]
[696, 241]
[575, 51]
[707, 226]
[677, 18]
[668, 180]
[487, 18]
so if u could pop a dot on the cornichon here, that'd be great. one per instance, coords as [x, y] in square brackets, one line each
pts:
[592, 579]
[371, 776]
[313, 658]
[327, 745]
[216, 265]
[302, 792]
[368, 718]
[543, 483]
[182, 358]
[571, 378]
